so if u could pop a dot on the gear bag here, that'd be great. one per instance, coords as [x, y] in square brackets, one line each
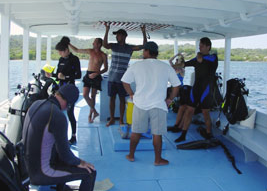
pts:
[234, 106]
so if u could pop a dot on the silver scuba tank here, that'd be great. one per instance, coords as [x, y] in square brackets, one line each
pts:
[14, 126]
[18, 108]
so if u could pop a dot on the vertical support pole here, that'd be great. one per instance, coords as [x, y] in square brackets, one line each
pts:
[48, 49]
[4, 64]
[197, 46]
[38, 52]
[227, 59]
[192, 79]
[175, 46]
[25, 70]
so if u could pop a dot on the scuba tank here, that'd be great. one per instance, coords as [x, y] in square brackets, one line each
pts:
[4, 106]
[36, 84]
[19, 106]
[53, 87]
[14, 125]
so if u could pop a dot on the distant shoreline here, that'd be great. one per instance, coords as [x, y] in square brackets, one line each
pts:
[166, 51]
[159, 59]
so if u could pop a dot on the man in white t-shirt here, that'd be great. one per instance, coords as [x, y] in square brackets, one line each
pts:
[151, 77]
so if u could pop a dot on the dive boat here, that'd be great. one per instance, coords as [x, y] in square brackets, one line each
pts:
[177, 20]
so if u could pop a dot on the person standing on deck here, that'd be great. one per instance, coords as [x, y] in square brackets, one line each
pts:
[205, 66]
[68, 69]
[151, 77]
[121, 54]
[92, 79]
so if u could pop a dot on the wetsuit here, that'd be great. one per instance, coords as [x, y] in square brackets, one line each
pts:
[71, 69]
[48, 157]
[201, 93]
[184, 92]
[181, 78]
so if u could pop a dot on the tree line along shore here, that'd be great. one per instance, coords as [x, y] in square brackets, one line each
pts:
[165, 51]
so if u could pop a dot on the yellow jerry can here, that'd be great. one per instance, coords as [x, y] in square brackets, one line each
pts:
[129, 111]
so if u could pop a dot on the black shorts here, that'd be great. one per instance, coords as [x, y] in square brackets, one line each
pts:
[92, 83]
[116, 88]
[184, 93]
[201, 96]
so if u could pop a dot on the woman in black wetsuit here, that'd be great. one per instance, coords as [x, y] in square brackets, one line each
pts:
[68, 69]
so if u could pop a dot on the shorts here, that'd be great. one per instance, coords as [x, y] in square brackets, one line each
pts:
[184, 93]
[116, 88]
[157, 118]
[201, 96]
[92, 83]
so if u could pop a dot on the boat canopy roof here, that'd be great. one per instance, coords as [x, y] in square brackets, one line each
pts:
[164, 19]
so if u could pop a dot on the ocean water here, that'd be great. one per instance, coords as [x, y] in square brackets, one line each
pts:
[254, 72]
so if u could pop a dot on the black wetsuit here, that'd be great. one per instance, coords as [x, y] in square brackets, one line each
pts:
[201, 93]
[71, 69]
[48, 157]
[184, 92]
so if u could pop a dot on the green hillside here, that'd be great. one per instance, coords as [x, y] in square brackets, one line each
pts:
[165, 51]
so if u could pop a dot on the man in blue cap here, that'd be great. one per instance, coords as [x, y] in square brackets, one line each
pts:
[48, 157]
[151, 77]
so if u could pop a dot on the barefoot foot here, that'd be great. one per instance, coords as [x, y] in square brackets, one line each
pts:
[131, 159]
[90, 117]
[95, 115]
[161, 162]
[111, 122]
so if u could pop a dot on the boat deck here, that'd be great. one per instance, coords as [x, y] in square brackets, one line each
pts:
[189, 170]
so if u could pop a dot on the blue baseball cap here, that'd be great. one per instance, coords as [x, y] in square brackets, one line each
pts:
[151, 46]
[70, 93]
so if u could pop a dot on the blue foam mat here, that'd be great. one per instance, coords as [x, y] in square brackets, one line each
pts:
[120, 144]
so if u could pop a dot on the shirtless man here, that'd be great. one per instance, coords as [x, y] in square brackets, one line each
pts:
[92, 79]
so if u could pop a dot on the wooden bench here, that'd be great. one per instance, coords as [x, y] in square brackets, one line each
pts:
[252, 141]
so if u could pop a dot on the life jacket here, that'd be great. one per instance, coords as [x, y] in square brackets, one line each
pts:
[234, 106]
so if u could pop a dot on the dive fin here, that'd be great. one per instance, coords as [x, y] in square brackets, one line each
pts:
[201, 144]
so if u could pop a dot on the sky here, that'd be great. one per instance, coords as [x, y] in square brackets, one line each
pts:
[251, 42]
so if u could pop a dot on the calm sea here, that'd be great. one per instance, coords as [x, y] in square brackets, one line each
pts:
[254, 72]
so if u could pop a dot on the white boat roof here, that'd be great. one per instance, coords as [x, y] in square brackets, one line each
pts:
[169, 19]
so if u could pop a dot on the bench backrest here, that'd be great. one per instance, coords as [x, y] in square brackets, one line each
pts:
[261, 122]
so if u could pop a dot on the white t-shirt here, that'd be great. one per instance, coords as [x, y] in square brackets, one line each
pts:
[151, 77]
